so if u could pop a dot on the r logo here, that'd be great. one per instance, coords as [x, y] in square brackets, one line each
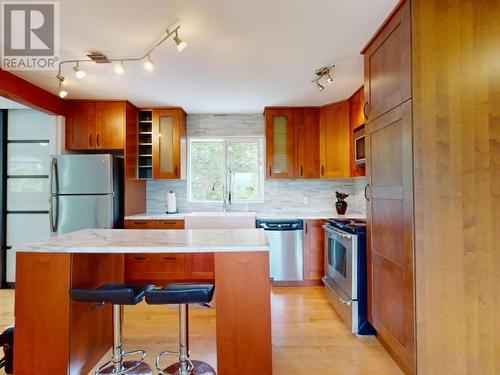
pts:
[29, 29]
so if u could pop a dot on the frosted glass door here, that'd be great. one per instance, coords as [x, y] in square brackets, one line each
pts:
[166, 143]
[280, 156]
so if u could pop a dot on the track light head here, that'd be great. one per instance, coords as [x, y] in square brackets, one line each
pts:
[62, 93]
[180, 43]
[329, 78]
[320, 86]
[80, 74]
[148, 64]
[119, 68]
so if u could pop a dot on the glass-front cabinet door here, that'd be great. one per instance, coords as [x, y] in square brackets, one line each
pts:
[280, 143]
[169, 137]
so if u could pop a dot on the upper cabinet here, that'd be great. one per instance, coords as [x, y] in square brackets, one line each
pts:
[169, 143]
[307, 141]
[334, 141]
[356, 133]
[388, 66]
[97, 125]
[280, 142]
[80, 125]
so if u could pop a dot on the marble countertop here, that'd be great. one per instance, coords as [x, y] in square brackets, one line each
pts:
[152, 241]
[260, 215]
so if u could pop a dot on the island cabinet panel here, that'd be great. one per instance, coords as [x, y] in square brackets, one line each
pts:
[157, 268]
[202, 266]
[52, 332]
[307, 140]
[388, 65]
[280, 143]
[243, 318]
[334, 141]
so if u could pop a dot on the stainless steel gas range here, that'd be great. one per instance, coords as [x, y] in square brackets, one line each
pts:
[345, 272]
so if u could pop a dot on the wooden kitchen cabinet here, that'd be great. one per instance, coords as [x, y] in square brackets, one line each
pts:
[314, 250]
[307, 141]
[110, 125]
[388, 65]
[189, 267]
[334, 141]
[389, 168]
[169, 143]
[280, 143]
[356, 125]
[140, 224]
[98, 125]
[79, 125]
[157, 268]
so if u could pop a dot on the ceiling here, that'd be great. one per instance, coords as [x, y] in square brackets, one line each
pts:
[241, 56]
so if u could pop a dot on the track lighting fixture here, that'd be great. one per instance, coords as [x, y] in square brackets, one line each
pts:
[119, 68]
[148, 64]
[180, 43]
[100, 58]
[326, 72]
[80, 74]
[62, 93]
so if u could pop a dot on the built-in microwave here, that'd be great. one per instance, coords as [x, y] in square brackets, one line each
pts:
[359, 146]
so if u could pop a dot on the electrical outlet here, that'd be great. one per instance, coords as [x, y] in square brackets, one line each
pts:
[305, 200]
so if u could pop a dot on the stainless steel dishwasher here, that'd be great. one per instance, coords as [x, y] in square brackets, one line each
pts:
[286, 239]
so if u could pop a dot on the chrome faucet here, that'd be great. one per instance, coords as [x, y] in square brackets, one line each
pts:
[226, 191]
[225, 201]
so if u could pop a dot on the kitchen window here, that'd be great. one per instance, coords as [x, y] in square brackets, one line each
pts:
[233, 164]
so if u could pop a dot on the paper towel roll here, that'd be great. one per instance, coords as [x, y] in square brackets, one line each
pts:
[171, 203]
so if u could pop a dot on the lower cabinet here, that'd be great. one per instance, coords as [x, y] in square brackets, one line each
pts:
[164, 268]
[314, 250]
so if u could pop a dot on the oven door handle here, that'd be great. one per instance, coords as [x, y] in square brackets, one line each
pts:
[341, 300]
[330, 230]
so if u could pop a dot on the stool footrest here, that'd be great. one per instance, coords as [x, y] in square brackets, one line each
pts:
[132, 364]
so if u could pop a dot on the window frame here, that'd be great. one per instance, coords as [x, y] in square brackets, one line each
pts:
[259, 140]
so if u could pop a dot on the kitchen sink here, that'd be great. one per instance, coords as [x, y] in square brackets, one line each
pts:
[219, 220]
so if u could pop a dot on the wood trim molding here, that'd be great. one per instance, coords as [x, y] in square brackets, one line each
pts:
[22, 91]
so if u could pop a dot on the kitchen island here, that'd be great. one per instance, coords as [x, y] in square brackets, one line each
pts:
[54, 335]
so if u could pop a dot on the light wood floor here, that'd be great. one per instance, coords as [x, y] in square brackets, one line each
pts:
[308, 336]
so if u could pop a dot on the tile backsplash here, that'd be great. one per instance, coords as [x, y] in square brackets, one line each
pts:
[279, 195]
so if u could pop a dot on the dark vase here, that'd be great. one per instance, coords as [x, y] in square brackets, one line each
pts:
[341, 206]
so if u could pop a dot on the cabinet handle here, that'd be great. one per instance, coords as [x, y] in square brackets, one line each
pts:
[301, 171]
[169, 258]
[98, 139]
[139, 222]
[91, 139]
[176, 171]
[140, 258]
[306, 227]
[270, 170]
[169, 222]
[322, 170]
[364, 111]
[366, 192]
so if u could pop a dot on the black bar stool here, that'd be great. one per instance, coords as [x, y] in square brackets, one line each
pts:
[183, 295]
[118, 295]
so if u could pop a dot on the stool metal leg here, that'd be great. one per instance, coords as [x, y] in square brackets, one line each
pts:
[185, 366]
[117, 365]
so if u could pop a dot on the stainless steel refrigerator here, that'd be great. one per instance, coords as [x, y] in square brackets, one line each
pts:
[86, 191]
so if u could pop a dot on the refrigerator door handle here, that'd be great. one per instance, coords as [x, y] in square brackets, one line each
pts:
[54, 177]
[53, 214]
